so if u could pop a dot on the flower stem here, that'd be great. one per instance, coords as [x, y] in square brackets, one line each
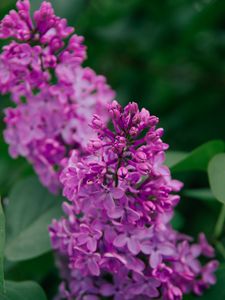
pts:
[220, 248]
[220, 223]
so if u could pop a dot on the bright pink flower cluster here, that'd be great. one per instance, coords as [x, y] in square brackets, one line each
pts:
[55, 96]
[116, 234]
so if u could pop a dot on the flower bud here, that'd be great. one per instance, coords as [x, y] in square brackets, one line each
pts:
[122, 172]
[144, 168]
[140, 156]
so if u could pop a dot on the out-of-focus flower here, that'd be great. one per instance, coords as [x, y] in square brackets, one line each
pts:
[55, 96]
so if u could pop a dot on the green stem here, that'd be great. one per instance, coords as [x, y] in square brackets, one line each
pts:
[220, 223]
[2, 244]
[220, 248]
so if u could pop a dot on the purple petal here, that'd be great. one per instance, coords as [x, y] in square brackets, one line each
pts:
[195, 265]
[195, 250]
[93, 267]
[82, 239]
[107, 290]
[115, 213]
[132, 215]
[155, 259]
[166, 249]
[207, 249]
[117, 256]
[136, 265]
[90, 297]
[92, 245]
[109, 203]
[120, 240]
[109, 234]
[146, 247]
[133, 245]
[117, 193]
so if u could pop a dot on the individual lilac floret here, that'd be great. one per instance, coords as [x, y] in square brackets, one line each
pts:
[122, 198]
[55, 96]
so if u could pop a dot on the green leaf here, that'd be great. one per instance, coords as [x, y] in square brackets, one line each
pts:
[199, 158]
[173, 157]
[30, 210]
[200, 194]
[37, 268]
[2, 246]
[26, 290]
[216, 173]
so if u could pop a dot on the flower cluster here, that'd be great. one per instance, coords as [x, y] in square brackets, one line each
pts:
[55, 96]
[116, 236]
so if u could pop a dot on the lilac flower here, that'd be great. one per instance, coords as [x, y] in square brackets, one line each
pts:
[131, 242]
[117, 231]
[206, 249]
[157, 251]
[89, 235]
[55, 96]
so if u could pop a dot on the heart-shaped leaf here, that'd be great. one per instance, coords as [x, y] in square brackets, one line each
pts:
[26, 290]
[198, 159]
[216, 172]
[174, 157]
[37, 268]
[28, 214]
[200, 194]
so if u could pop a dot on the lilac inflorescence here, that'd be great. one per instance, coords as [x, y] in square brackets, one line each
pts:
[55, 97]
[116, 238]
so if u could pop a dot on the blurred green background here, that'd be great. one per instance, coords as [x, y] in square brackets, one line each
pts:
[167, 55]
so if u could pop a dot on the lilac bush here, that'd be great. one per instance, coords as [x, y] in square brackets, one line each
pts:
[54, 96]
[116, 240]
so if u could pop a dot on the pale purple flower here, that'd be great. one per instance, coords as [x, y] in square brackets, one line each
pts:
[55, 96]
[89, 236]
[118, 220]
[206, 249]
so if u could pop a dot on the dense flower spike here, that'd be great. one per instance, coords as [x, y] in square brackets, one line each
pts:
[55, 96]
[117, 236]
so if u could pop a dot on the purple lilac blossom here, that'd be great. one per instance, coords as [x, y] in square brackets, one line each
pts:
[116, 236]
[54, 96]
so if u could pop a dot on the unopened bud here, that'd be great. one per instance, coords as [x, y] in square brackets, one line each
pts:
[144, 168]
[96, 122]
[122, 172]
[133, 131]
[140, 156]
